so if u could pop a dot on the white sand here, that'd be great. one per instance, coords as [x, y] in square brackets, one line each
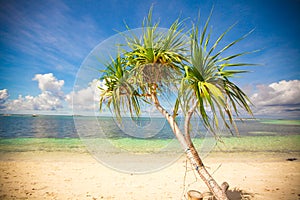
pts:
[60, 175]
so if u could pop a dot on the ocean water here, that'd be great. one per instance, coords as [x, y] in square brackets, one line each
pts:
[26, 126]
[47, 126]
[60, 133]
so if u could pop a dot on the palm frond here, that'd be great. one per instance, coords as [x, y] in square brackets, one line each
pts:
[118, 93]
[157, 56]
[207, 79]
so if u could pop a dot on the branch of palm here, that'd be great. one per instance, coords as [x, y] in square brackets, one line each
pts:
[206, 81]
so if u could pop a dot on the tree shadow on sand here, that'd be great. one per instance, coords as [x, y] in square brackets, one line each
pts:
[232, 194]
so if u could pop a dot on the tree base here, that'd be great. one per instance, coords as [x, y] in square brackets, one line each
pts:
[194, 195]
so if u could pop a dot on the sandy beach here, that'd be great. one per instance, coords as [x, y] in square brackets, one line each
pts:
[68, 175]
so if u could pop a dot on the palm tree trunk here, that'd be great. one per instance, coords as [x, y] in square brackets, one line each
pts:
[204, 174]
[191, 152]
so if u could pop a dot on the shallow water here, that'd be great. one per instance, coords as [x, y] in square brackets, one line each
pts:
[282, 144]
[59, 133]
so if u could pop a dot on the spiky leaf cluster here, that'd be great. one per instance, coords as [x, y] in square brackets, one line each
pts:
[157, 60]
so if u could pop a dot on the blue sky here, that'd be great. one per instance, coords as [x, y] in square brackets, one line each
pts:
[43, 44]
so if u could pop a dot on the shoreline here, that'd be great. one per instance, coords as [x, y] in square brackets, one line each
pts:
[77, 175]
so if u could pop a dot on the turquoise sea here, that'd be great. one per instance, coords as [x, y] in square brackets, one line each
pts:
[21, 133]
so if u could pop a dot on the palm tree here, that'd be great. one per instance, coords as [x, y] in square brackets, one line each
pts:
[159, 60]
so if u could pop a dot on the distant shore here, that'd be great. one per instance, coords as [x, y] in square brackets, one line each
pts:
[63, 169]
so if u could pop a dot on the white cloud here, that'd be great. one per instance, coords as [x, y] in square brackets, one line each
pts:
[281, 93]
[278, 99]
[85, 99]
[50, 98]
[3, 98]
[48, 83]
[44, 101]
